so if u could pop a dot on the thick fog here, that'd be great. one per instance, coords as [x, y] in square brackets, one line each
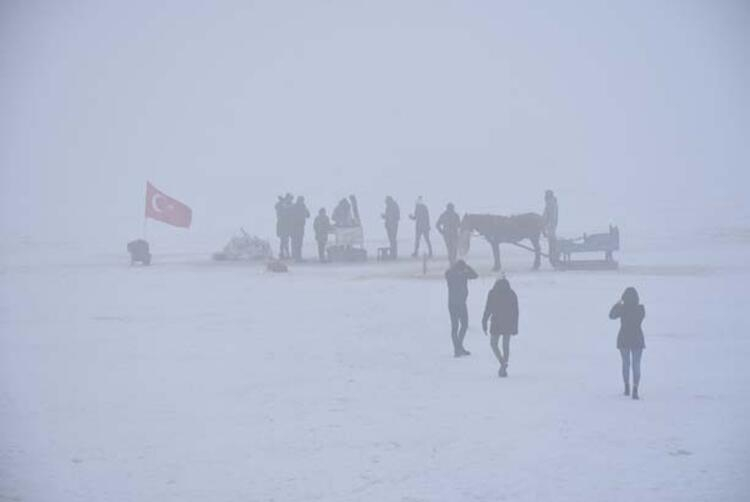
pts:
[635, 113]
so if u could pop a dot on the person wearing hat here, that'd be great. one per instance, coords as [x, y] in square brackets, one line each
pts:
[448, 225]
[501, 311]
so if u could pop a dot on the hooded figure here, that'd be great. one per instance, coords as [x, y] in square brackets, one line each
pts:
[283, 223]
[391, 216]
[449, 224]
[299, 216]
[457, 277]
[322, 226]
[630, 339]
[502, 312]
[421, 217]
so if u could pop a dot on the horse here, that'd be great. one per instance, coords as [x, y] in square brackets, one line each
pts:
[503, 229]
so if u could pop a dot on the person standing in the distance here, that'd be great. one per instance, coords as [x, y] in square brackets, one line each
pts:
[550, 214]
[299, 216]
[283, 215]
[421, 219]
[457, 277]
[391, 216]
[502, 312]
[448, 225]
[322, 227]
[630, 340]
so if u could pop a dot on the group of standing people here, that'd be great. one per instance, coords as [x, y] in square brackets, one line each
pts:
[501, 315]
[291, 218]
[448, 224]
[292, 215]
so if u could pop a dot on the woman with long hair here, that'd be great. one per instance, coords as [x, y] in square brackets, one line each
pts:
[630, 340]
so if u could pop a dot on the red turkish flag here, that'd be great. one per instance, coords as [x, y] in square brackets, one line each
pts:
[162, 207]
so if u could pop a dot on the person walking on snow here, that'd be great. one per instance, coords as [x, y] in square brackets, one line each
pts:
[391, 216]
[322, 227]
[457, 277]
[448, 225]
[630, 341]
[421, 217]
[502, 312]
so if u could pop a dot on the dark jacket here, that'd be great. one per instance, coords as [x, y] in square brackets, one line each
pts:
[322, 226]
[392, 214]
[631, 316]
[422, 217]
[501, 309]
[458, 283]
[342, 214]
[448, 223]
[298, 217]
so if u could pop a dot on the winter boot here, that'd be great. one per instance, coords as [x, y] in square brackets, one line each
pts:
[635, 392]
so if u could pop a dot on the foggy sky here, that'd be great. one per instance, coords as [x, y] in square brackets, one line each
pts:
[633, 112]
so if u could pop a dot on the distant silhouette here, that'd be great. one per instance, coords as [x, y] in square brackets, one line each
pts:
[550, 215]
[511, 229]
[391, 216]
[342, 214]
[457, 277]
[502, 312]
[421, 217]
[448, 225]
[355, 211]
[298, 218]
[630, 340]
[322, 227]
[283, 223]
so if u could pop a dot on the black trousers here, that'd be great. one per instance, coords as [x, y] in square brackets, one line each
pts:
[459, 324]
[297, 238]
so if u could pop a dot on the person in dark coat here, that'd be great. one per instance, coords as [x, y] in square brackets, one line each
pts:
[630, 340]
[457, 277]
[502, 312]
[283, 224]
[448, 224]
[298, 219]
[322, 227]
[421, 218]
[342, 214]
[391, 216]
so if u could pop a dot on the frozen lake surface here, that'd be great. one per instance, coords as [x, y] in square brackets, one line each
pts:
[196, 381]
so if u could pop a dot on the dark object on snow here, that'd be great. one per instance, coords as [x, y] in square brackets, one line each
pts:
[139, 252]
[276, 266]
[561, 251]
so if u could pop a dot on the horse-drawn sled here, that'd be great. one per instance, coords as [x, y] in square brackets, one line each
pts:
[497, 229]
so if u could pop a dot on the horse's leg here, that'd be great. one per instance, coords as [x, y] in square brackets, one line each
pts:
[496, 255]
[537, 251]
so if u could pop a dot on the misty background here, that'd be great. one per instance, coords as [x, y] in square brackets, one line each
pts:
[635, 113]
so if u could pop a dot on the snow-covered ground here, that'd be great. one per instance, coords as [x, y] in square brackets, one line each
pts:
[197, 381]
